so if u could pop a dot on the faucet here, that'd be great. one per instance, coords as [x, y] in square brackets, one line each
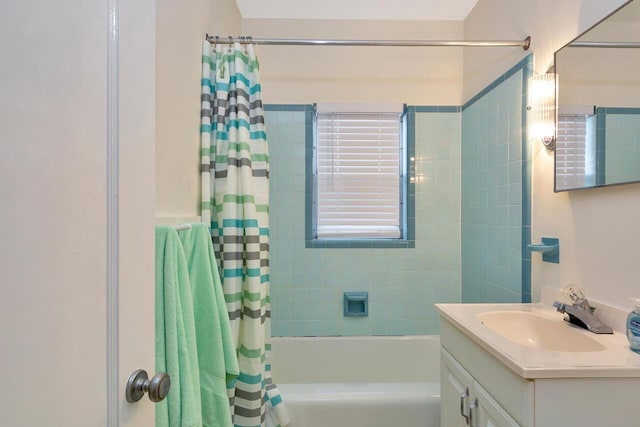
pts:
[580, 313]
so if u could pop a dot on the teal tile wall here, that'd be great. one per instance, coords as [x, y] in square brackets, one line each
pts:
[496, 188]
[622, 145]
[403, 283]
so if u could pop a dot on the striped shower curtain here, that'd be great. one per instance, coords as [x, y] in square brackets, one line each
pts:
[235, 201]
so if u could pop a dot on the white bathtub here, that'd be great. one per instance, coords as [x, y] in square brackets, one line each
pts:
[359, 381]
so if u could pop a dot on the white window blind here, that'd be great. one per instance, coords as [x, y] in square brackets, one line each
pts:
[358, 175]
[575, 151]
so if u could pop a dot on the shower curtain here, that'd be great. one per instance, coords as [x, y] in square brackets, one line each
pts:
[235, 202]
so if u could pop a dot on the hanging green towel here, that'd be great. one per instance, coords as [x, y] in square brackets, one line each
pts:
[176, 351]
[216, 349]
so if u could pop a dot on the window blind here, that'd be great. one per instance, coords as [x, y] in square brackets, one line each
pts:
[575, 161]
[358, 175]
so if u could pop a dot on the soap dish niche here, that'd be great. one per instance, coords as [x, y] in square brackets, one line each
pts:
[356, 304]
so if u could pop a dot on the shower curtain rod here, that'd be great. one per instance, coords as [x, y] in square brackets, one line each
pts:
[622, 45]
[524, 44]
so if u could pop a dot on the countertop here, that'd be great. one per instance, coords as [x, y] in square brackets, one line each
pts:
[615, 361]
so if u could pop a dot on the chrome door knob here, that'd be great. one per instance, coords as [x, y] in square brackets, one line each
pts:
[139, 383]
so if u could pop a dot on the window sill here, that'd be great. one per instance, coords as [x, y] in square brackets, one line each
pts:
[361, 243]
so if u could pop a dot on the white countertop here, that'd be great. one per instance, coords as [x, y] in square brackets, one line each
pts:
[616, 360]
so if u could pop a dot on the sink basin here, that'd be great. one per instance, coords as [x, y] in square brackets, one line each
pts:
[536, 331]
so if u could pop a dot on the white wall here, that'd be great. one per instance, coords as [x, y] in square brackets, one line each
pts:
[598, 228]
[180, 30]
[551, 24]
[303, 74]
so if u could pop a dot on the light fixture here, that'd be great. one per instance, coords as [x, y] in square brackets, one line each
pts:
[541, 110]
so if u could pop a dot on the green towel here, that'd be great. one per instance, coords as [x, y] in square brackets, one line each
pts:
[176, 351]
[216, 349]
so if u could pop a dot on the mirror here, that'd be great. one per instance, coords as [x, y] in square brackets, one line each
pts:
[598, 121]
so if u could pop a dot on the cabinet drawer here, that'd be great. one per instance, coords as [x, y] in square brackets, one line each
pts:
[513, 393]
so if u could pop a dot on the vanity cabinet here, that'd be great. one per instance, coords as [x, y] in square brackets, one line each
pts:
[465, 402]
[497, 396]
[478, 387]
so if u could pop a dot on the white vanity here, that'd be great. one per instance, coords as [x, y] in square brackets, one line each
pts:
[523, 365]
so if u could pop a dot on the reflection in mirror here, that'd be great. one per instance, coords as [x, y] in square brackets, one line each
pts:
[598, 125]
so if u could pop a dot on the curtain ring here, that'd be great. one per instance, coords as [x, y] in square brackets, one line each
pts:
[230, 42]
[245, 43]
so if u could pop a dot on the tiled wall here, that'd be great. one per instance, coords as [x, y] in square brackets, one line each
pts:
[496, 213]
[403, 283]
[621, 144]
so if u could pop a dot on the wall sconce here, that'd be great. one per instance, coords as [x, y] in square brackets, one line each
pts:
[542, 92]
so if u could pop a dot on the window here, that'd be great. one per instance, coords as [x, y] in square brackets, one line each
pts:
[576, 153]
[359, 172]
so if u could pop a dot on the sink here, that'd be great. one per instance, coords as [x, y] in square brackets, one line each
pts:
[539, 332]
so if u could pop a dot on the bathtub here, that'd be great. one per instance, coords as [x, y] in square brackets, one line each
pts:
[359, 381]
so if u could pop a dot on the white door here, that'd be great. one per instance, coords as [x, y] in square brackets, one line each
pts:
[455, 389]
[73, 322]
[488, 412]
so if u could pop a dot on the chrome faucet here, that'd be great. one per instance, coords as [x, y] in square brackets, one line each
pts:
[580, 313]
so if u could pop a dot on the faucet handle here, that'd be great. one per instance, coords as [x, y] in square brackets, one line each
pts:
[575, 293]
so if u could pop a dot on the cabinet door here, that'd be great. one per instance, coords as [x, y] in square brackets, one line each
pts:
[455, 387]
[487, 412]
